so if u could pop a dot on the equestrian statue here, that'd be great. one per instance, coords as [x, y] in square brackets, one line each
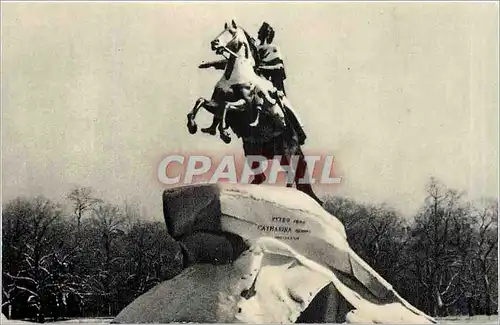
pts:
[250, 99]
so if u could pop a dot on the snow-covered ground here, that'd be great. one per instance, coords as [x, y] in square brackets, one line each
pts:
[447, 320]
[481, 319]
[102, 320]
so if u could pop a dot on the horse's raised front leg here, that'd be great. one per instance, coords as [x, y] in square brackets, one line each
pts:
[287, 161]
[191, 123]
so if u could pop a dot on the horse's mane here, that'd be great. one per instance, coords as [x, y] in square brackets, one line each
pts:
[251, 44]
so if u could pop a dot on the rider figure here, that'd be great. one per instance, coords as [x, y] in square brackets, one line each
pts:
[269, 65]
[269, 62]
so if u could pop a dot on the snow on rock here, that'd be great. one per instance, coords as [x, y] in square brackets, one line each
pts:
[286, 248]
[286, 282]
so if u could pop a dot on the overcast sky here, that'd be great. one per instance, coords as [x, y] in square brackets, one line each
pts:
[95, 94]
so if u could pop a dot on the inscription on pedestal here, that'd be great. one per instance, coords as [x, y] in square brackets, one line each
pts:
[285, 228]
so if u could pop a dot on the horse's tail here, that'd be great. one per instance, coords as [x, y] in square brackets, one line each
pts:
[294, 125]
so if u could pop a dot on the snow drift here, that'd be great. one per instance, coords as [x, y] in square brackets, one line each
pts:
[263, 254]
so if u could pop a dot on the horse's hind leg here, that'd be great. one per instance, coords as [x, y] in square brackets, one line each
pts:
[300, 174]
[301, 177]
[307, 188]
[212, 128]
[288, 161]
[214, 108]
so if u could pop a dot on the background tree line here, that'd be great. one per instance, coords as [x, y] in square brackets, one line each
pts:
[444, 260]
[88, 263]
[96, 259]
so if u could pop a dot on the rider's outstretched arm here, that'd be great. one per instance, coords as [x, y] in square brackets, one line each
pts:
[272, 67]
[218, 65]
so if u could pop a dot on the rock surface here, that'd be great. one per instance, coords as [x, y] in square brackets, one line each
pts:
[262, 254]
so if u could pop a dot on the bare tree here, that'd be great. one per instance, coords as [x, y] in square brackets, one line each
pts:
[485, 250]
[442, 238]
[131, 213]
[378, 233]
[109, 223]
[347, 210]
[83, 201]
[153, 256]
[36, 257]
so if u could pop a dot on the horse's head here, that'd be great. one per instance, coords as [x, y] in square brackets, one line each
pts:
[234, 39]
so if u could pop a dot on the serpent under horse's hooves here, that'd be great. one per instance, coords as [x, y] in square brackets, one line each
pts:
[273, 136]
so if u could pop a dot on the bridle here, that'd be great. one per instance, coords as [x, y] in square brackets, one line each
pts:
[225, 48]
